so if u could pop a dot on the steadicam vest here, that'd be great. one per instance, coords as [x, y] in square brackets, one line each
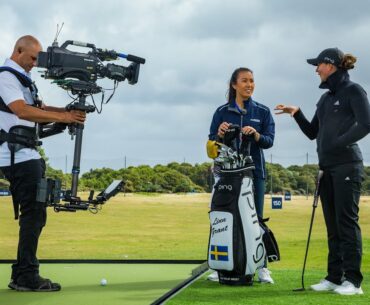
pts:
[19, 136]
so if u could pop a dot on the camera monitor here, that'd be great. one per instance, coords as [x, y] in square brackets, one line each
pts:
[110, 191]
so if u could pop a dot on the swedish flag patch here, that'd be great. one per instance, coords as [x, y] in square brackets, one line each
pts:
[219, 253]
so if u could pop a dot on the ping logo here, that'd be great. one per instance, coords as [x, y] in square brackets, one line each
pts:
[223, 187]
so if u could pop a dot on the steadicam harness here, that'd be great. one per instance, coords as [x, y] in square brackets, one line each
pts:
[19, 136]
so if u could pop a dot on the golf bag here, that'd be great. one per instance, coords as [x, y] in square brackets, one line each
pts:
[238, 240]
[236, 249]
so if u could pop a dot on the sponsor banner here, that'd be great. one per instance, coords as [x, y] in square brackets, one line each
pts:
[5, 193]
[277, 202]
[287, 196]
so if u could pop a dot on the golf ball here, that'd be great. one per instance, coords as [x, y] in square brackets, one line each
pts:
[103, 282]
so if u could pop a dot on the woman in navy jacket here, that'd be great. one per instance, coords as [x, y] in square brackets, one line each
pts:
[254, 119]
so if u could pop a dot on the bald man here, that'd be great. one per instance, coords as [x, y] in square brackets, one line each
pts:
[20, 162]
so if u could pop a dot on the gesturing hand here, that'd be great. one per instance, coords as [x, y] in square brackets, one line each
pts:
[286, 109]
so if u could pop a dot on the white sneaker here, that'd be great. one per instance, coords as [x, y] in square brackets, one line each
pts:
[324, 285]
[264, 276]
[213, 276]
[347, 288]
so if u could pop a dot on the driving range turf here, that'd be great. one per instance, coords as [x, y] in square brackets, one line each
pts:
[174, 227]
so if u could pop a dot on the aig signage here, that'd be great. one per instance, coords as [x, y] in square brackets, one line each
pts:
[277, 202]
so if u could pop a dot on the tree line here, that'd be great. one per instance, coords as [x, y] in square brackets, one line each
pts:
[184, 177]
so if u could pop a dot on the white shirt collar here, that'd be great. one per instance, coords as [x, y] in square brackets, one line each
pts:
[12, 64]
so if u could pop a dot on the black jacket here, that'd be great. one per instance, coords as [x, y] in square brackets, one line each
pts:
[341, 119]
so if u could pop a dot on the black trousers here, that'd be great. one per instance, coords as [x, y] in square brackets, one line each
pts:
[340, 196]
[23, 178]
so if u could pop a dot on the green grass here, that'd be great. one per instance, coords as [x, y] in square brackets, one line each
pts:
[176, 227]
[131, 227]
[127, 284]
[204, 292]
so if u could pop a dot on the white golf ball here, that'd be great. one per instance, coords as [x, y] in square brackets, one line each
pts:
[103, 282]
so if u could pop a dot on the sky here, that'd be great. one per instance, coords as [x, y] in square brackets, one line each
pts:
[191, 48]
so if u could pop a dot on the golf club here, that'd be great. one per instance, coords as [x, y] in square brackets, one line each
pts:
[315, 202]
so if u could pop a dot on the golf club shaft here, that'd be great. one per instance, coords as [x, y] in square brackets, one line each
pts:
[308, 243]
[315, 203]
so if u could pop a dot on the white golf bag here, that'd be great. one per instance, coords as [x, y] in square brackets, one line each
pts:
[239, 242]
[236, 248]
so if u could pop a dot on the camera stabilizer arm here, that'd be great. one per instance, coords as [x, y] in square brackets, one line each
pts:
[49, 192]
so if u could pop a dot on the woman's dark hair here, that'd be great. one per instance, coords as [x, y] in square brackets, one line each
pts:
[231, 94]
[348, 62]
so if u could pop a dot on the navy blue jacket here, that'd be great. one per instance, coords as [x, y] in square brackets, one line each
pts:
[259, 117]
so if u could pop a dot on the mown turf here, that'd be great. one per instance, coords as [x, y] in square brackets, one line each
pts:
[204, 292]
[127, 284]
[177, 227]
[167, 227]
[131, 227]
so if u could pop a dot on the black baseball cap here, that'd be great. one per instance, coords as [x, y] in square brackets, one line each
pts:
[332, 56]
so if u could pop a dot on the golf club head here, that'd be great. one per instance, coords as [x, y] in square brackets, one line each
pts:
[299, 289]
[231, 134]
[223, 147]
[245, 145]
[248, 160]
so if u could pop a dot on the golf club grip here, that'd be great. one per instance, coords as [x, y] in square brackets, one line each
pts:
[249, 148]
[317, 188]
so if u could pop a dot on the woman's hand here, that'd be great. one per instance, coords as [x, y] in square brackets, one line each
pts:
[222, 128]
[249, 130]
[286, 109]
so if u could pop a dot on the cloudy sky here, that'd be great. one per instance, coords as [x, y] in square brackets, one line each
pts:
[191, 48]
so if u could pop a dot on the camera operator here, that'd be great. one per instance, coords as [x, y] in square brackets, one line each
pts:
[20, 162]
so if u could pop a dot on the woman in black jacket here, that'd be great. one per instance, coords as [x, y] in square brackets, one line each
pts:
[341, 119]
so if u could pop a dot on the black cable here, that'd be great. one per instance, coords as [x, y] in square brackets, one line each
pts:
[114, 90]
[102, 99]
[96, 107]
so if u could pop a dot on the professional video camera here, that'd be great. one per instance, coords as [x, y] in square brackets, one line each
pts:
[78, 73]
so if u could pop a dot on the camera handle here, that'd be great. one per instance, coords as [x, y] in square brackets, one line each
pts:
[103, 54]
[77, 43]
